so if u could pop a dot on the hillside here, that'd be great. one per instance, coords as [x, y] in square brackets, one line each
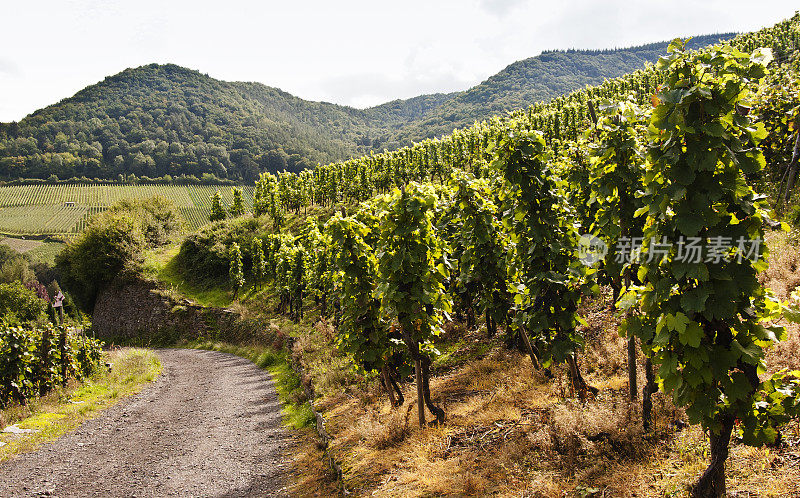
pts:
[159, 120]
[538, 79]
[535, 372]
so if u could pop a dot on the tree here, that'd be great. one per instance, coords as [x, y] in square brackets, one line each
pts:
[236, 269]
[111, 244]
[20, 305]
[413, 269]
[217, 210]
[237, 207]
[712, 315]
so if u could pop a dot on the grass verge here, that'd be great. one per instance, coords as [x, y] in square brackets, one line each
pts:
[161, 264]
[65, 409]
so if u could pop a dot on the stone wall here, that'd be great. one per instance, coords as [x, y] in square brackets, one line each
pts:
[141, 310]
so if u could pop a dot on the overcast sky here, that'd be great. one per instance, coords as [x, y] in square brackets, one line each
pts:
[358, 53]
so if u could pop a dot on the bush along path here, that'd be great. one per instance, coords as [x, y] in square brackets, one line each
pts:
[209, 426]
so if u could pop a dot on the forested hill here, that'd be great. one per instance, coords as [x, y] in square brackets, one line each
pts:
[159, 120]
[537, 79]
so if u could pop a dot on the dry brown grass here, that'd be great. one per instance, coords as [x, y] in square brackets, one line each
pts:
[511, 432]
[311, 474]
[783, 277]
[783, 273]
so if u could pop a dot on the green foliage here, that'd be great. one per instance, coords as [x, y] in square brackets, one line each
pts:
[777, 105]
[158, 217]
[297, 278]
[259, 264]
[362, 331]
[776, 403]
[203, 255]
[710, 334]
[547, 277]
[14, 267]
[616, 179]
[113, 244]
[237, 207]
[236, 268]
[217, 210]
[31, 361]
[480, 245]
[413, 267]
[20, 305]
[320, 276]
[16, 359]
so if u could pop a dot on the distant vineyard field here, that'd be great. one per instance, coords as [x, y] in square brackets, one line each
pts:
[64, 209]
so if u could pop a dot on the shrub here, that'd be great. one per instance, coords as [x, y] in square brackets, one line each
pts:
[19, 305]
[13, 266]
[112, 242]
[205, 253]
[158, 217]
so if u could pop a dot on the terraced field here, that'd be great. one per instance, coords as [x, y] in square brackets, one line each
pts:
[64, 209]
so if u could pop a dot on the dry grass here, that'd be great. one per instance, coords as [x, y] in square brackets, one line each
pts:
[511, 432]
[21, 245]
[783, 277]
[783, 273]
[311, 475]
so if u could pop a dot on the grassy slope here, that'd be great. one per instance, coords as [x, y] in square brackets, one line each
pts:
[38, 251]
[65, 409]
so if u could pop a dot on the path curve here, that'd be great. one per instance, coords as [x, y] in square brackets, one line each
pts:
[210, 425]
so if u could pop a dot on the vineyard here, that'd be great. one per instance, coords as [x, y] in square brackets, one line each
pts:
[64, 209]
[37, 360]
[490, 221]
[647, 200]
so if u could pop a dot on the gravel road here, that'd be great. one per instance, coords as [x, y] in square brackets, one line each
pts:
[208, 426]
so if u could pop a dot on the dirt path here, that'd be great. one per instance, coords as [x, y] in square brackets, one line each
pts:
[208, 426]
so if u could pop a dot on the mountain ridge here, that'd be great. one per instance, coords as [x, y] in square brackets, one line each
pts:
[164, 119]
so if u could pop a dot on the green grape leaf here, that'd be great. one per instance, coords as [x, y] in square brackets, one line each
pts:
[692, 335]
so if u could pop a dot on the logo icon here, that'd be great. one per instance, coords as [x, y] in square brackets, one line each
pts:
[591, 249]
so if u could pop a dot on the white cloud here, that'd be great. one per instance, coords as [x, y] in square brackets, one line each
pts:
[356, 52]
[500, 8]
[8, 67]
